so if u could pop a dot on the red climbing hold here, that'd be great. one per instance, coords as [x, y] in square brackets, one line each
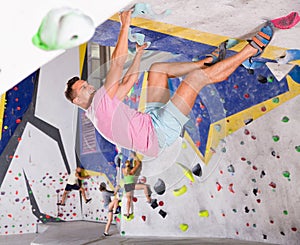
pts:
[144, 218]
[230, 188]
[219, 187]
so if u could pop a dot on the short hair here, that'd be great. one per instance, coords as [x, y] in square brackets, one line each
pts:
[69, 93]
[102, 186]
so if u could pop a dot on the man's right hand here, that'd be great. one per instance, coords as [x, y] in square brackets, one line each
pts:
[125, 18]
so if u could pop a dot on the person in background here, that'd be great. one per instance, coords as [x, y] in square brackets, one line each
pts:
[111, 205]
[73, 184]
[130, 183]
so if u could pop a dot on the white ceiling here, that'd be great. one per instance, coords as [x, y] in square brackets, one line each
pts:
[19, 21]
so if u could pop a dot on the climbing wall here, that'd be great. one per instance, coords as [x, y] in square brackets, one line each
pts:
[229, 174]
[250, 194]
[38, 152]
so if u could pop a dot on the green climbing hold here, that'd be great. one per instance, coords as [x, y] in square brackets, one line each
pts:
[285, 119]
[276, 138]
[286, 174]
[285, 212]
[275, 100]
[123, 233]
[183, 227]
[297, 148]
[270, 78]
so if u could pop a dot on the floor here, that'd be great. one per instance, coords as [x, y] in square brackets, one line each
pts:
[81, 232]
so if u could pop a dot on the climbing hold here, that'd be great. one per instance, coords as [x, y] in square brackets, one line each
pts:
[180, 191]
[248, 121]
[286, 22]
[270, 79]
[184, 145]
[217, 127]
[203, 213]
[123, 233]
[282, 233]
[187, 172]
[285, 212]
[154, 204]
[144, 218]
[161, 203]
[59, 29]
[246, 132]
[275, 100]
[160, 187]
[273, 185]
[138, 38]
[262, 174]
[255, 190]
[276, 138]
[142, 9]
[162, 213]
[230, 188]
[128, 218]
[297, 148]
[247, 210]
[294, 229]
[230, 169]
[286, 174]
[219, 187]
[285, 119]
[197, 170]
[183, 227]
[264, 236]
[261, 78]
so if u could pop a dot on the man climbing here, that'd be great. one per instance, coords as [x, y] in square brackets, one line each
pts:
[73, 184]
[161, 123]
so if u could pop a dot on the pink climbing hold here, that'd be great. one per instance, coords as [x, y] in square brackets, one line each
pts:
[286, 22]
[230, 188]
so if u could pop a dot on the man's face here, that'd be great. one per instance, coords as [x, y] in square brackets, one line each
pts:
[84, 91]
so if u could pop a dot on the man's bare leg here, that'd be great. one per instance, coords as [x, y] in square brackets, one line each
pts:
[187, 92]
[157, 89]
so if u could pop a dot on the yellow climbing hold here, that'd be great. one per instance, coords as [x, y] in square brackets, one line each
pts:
[183, 227]
[203, 213]
[188, 173]
[184, 145]
[180, 191]
[129, 218]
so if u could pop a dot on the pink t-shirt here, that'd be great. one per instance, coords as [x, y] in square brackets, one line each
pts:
[122, 125]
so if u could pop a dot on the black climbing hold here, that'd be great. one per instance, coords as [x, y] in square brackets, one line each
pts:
[262, 174]
[282, 233]
[264, 236]
[250, 71]
[197, 170]
[160, 187]
[247, 210]
[162, 213]
[261, 78]
[255, 190]
[248, 121]
[154, 203]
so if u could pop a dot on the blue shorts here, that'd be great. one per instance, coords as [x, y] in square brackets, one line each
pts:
[168, 121]
[72, 187]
